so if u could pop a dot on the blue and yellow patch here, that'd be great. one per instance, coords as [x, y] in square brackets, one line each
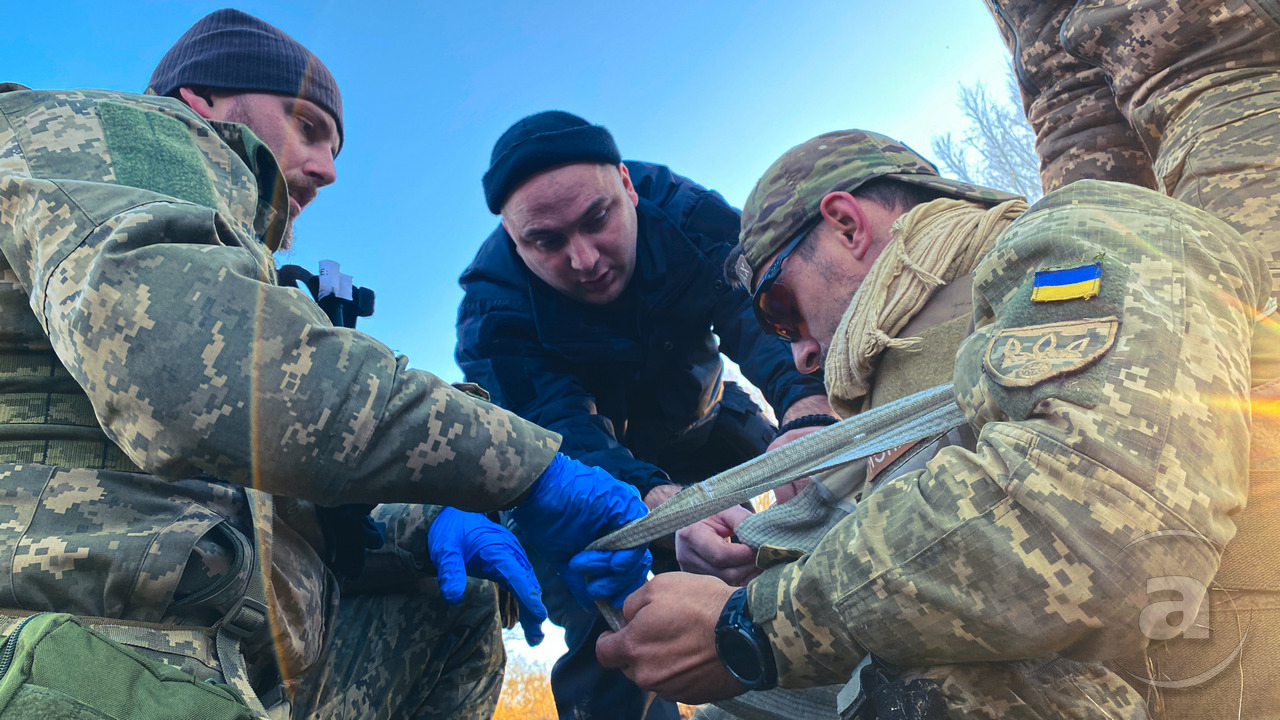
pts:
[1080, 282]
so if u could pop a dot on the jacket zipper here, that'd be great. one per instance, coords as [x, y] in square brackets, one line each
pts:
[11, 644]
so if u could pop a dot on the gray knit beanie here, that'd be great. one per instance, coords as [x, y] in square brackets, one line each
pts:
[233, 50]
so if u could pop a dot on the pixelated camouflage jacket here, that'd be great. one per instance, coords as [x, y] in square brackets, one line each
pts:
[1113, 446]
[163, 308]
[129, 233]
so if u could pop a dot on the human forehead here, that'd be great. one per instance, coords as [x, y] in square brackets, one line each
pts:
[563, 192]
[297, 107]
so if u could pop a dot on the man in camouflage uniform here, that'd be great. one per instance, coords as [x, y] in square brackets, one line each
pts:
[1181, 96]
[171, 420]
[1109, 448]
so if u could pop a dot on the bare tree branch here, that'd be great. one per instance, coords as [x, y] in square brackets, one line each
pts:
[998, 147]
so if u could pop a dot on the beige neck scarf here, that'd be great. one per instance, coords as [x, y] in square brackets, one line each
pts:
[931, 245]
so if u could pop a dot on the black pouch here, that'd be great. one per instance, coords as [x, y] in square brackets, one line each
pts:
[887, 697]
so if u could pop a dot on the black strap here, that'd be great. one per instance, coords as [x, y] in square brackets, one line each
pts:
[807, 421]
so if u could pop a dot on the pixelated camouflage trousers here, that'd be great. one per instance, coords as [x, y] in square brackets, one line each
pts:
[400, 655]
[1182, 96]
[1219, 150]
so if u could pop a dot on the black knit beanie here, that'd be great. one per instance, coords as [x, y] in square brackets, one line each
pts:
[540, 142]
[232, 50]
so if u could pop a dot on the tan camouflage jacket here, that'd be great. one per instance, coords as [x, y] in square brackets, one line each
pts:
[1113, 446]
[134, 226]
[132, 239]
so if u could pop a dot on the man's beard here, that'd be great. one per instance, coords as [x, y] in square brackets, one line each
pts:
[286, 238]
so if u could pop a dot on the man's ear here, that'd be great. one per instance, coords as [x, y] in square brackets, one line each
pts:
[626, 184]
[200, 100]
[502, 219]
[844, 212]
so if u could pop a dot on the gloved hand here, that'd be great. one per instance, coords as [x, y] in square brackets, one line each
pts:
[572, 504]
[609, 575]
[462, 543]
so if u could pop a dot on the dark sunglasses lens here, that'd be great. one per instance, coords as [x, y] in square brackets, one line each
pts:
[776, 310]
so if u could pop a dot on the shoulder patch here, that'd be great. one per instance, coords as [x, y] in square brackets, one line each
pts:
[1080, 282]
[1026, 356]
[152, 151]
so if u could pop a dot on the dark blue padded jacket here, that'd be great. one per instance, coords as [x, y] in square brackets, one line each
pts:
[625, 383]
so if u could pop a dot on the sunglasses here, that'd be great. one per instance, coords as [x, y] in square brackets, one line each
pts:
[774, 303]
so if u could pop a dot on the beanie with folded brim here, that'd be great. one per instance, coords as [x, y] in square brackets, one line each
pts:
[541, 142]
[233, 50]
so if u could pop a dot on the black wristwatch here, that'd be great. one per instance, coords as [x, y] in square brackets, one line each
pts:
[743, 647]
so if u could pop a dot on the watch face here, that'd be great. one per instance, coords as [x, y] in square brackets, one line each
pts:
[740, 656]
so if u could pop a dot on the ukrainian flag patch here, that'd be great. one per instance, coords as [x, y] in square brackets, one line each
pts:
[1080, 282]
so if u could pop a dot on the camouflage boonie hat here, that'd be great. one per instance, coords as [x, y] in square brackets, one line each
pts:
[786, 198]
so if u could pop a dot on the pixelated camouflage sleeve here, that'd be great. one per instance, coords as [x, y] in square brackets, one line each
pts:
[1113, 447]
[131, 225]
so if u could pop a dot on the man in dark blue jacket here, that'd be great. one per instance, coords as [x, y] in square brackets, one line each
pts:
[591, 311]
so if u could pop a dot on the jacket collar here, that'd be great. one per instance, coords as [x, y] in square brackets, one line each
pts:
[273, 195]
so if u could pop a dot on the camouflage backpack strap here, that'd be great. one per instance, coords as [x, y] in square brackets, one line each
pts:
[249, 615]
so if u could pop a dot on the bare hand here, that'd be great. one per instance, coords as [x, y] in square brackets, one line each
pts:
[657, 495]
[790, 435]
[784, 493]
[707, 548]
[668, 643]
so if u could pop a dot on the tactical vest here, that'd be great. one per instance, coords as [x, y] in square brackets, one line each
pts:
[46, 419]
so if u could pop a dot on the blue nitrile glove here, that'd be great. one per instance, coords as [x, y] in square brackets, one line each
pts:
[572, 504]
[463, 543]
[611, 575]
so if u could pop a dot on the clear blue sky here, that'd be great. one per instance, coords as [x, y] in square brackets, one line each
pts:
[716, 90]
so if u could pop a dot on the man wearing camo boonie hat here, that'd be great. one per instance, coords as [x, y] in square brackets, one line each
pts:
[1022, 540]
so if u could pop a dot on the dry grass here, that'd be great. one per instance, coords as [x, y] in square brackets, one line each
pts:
[526, 694]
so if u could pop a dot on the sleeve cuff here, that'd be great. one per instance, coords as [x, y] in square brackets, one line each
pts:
[795, 649]
[764, 596]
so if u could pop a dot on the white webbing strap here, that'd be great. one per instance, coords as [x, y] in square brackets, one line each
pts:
[922, 415]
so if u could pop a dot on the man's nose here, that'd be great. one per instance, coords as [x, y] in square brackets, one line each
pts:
[582, 254]
[319, 166]
[807, 355]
